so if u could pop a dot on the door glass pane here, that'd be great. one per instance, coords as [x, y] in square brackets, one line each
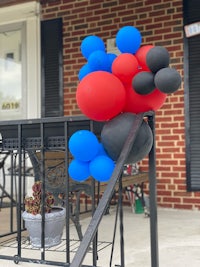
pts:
[10, 75]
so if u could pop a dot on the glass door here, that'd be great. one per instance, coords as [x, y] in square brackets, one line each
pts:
[11, 86]
[20, 61]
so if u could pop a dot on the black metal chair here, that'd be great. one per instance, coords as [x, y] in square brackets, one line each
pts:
[55, 176]
[3, 192]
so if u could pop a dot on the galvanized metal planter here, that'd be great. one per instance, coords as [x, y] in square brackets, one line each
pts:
[54, 225]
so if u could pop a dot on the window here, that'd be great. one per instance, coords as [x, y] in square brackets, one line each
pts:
[20, 90]
[192, 96]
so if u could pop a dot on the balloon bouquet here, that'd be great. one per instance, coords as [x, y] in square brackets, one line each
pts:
[113, 89]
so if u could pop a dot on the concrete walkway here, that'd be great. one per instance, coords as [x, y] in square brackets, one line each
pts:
[178, 232]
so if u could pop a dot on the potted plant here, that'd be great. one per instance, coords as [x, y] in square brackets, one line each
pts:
[54, 217]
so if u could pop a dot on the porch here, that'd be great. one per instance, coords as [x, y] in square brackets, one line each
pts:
[178, 232]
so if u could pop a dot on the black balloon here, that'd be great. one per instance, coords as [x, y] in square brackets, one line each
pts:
[157, 58]
[115, 133]
[143, 82]
[167, 80]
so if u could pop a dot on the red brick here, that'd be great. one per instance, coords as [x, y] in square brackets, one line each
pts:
[191, 200]
[169, 174]
[181, 194]
[164, 181]
[172, 187]
[181, 187]
[164, 193]
[172, 199]
[182, 206]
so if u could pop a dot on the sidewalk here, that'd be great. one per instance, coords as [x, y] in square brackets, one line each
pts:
[178, 239]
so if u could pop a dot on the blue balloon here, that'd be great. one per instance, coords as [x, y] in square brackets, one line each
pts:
[128, 39]
[84, 145]
[90, 44]
[79, 170]
[98, 60]
[85, 70]
[102, 151]
[111, 58]
[101, 168]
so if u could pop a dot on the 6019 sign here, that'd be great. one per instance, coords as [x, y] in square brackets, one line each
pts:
[10, 105]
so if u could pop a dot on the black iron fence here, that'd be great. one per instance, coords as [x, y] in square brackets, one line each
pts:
[38, 150]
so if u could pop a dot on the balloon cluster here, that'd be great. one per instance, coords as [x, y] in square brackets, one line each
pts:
[113, 89]
[89, 157]
[137, 80]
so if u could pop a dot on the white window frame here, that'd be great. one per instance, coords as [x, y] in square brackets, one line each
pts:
[27, 16]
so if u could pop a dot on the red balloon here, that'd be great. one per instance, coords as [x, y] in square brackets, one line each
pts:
[141, 56]
[100, 96]
[136, 103]
[125, 66]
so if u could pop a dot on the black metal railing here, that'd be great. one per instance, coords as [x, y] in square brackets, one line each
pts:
[28, 142]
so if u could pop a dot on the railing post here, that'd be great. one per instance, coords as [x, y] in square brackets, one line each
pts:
[121, 217]
[153, 199]
[19, 191]
[67, 203]
[43, 192]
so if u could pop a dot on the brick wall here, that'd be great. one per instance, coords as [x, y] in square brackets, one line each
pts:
[160, 22]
